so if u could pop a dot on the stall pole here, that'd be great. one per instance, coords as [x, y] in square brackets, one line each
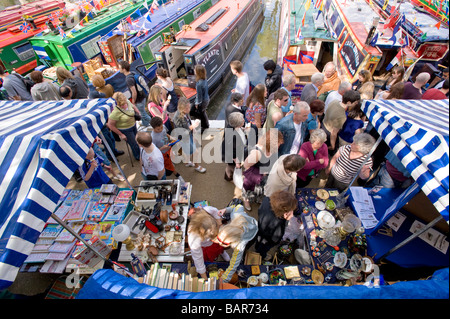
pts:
[413, 236]
[374, 147]
[74, 233]
[105, 142]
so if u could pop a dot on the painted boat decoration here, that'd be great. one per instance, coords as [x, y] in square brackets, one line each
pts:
[425, 35]
[77, 41]
[149, 34]
[17, 25]
[222, 34]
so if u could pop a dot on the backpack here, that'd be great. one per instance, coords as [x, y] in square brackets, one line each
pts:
[27, 82]
[141, 85]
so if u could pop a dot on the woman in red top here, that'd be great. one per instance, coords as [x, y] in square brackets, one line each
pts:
[316, 154]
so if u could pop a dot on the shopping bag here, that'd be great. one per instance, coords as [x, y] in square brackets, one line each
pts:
[238, 179]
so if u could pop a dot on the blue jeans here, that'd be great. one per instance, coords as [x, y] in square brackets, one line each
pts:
[145, 117]
[130, 134]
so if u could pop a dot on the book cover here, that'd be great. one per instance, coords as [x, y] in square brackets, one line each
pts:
[73, 195]
[66, 236]
[77, 211]
[175, 281]
[115, 213]
[36, 258]
[124, 196]
[105, 232]
[170, 281]
[87, 231]
[61, 247]
[51, 231]
[161, 278]
[42, 245]
[200, 284]
[155, 274]
[97, 211]
[194, 284]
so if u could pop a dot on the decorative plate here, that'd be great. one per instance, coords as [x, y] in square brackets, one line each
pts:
[340, 259]
[320, 205]
[323, 194]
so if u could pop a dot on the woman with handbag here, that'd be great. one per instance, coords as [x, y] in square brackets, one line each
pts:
[167, 84]
[182, 122]
[122, 121]
[259, 162]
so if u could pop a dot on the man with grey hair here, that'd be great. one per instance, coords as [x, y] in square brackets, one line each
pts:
[293, 128]
[309, 92]
[337, 95]
[413, 91]
[288, 85]
[234, 144]
[331, 80]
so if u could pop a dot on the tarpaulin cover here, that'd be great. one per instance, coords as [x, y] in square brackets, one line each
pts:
[41, 145]
[417, 131]
[107, 284]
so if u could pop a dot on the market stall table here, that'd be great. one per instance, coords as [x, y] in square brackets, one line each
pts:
[338, 253]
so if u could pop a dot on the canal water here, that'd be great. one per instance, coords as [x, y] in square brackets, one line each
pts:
[263, 48]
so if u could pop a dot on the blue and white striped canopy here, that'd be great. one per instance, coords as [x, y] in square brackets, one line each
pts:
[417, 131]
[41, 145]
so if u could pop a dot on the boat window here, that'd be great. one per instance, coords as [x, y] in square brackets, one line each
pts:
[213, 2]
[235, 35]
[24, 51]
[91, 48]
[156, 44]
[197, 13]
[181, 23]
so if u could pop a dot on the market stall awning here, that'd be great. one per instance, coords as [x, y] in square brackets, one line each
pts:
[417, 131]
[41, 145]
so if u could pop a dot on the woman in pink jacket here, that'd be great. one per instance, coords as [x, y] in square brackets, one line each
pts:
[316, 154]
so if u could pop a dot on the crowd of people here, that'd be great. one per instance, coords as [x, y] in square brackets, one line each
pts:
[277, 143]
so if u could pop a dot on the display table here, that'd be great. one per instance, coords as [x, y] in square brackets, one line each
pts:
[158, 222]
[336, 254]
[430, 249]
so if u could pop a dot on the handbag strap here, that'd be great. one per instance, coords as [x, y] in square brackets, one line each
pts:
[123, 111]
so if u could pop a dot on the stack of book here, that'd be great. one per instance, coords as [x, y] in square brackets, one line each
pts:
[162, 277]
[84, 213]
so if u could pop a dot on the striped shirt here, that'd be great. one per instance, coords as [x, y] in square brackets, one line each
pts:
[345, 168]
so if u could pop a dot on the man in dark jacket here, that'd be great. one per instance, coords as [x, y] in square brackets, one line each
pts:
[273, 77]
[273, 215]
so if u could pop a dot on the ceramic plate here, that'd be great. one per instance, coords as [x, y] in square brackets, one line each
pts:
[367, 264]
[325, 219]
[340, 259]
[320, 205]
[323, 194]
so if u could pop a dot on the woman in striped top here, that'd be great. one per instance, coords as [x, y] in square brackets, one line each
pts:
[346, 162]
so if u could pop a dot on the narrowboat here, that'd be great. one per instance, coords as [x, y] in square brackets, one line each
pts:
[222, 34]
[148, 34]
[77, 41]
[426, 35]
[313, 33]
[17, 25]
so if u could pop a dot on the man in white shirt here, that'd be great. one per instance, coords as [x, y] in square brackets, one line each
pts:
[152, 160]
[243, 82]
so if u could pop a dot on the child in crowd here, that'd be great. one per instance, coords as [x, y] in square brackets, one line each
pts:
[152, 161]
[106, 163]
[91, 171]
[161, 140]
[352, 126]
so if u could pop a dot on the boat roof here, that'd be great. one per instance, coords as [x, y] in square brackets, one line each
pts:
[104, 16]
[12, 15]
[232, 9]
[314, 26]
[359, 18]
[160, 20]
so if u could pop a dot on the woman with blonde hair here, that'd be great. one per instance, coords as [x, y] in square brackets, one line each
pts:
[203, 228]
[78, 86]
[122, 122]
[182, 120]
[236, 234]
[256, 109]
[157, 105]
